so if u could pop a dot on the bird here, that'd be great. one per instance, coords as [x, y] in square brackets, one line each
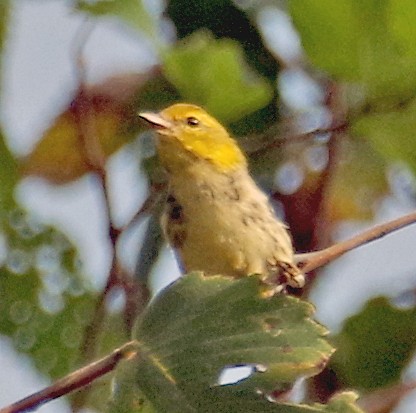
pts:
[216, 218]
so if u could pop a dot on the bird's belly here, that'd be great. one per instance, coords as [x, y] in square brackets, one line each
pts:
[219, 241]
[214, 250]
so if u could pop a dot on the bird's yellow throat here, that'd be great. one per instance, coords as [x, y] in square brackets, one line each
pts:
[188, 133]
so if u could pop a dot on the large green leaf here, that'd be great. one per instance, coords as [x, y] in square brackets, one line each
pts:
[200, 325]
[402, 15]
[213, 73]
[128, 397]
[365, 41]
[375, 345]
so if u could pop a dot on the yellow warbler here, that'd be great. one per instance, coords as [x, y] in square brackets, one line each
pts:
[216, 218]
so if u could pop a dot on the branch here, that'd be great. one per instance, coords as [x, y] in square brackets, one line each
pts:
[95, 159]
[310, 261]
[155, 193]
[386, 399]
[75, 380]
[290, 138]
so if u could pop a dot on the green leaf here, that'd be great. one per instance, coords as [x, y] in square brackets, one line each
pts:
[200, 325]
[391, 133]
[375, 345]
[402, 15]
[132, 12]
[225, 20]
[329, 34]
[360, 41]
[213, 73]
[129, 398]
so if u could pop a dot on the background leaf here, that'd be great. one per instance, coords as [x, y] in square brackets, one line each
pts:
[213, 73]
[224, 19]
[375, 345]
[353, 192]
[358, 41]
[106, 110]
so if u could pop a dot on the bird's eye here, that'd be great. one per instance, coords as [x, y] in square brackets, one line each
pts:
[191, 121]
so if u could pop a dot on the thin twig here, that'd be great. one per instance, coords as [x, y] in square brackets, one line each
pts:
[76, 380]
[321, 228]
[313, 260]
[95, 160]
[88, 138]
[155, 193]
[386, 399]
[290, 138]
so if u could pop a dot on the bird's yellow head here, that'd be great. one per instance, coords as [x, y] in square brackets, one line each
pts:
[187, 133]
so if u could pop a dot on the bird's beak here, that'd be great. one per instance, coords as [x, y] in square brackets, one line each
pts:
[156, 120]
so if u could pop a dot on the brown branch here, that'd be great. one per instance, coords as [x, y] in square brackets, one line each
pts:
[386, 399]
[76, 380]
[291, 138]
[310, 261]
[95, 159]
[321, 227]
[94, 156]
[148, 205]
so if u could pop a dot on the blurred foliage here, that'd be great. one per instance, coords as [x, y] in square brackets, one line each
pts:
[225, 20]
[362, 42]
[212, 73]
[375, 345]
[372, 44]
[45, 306]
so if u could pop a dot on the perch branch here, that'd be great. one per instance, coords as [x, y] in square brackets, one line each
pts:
[313, 260]
[386, 399]
[76, 380]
